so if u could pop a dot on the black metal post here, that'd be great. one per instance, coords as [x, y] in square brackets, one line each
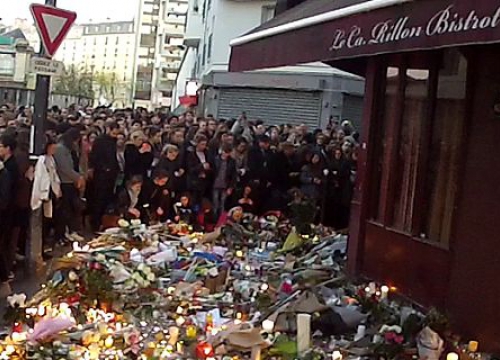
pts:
[34, 245]
[41, 102]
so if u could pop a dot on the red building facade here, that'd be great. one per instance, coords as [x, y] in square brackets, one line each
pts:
[426, 211]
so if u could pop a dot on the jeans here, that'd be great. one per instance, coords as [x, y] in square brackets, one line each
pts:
[67, 215]
[219, 198]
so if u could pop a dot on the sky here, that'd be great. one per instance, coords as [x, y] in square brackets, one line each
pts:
[96, 10]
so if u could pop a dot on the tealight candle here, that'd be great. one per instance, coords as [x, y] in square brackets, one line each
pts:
[191, 332]
[473, 346]
[109, 342]
[452, 356]
[336, 355]
[239, 253]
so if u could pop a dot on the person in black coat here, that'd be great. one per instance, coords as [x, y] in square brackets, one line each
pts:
[338, 192]
[224, 179]
[259, 163]
[285, 174]
[103, 171]
[156, 198]
[172, 164]
[138, 156]
[5, 190]
[128, 205]
[199, 169]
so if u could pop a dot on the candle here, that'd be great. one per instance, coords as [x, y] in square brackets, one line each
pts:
[180, 321]
[268, 325]
[191, 332]
[384, 292]
[109, 342]
[336, 355]
[360, 333]
[473, 346]
[304, 333]
[239, 253]
[372, 288]
[452, 356]
[256, 353]
[173, 331]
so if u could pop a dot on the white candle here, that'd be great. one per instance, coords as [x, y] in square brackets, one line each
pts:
[372, 287]
[452, 356]
[360, 333]
[303, 332]
[173, 331]
[256, 353]
[384, 292]
[268, 325]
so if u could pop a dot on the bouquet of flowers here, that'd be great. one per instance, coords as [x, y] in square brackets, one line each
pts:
[390, 342]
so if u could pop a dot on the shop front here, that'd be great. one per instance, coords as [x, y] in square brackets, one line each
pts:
[427, 202]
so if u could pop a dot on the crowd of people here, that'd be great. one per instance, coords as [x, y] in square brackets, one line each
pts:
[100, 165]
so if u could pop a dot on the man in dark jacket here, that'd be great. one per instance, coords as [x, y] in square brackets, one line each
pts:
[224, 179]
[259, 163]
[8, 242]
[5, 188]
[104, 170]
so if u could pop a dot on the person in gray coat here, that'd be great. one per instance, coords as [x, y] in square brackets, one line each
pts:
[72, 182]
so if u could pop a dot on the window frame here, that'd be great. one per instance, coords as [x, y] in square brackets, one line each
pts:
[382, 199]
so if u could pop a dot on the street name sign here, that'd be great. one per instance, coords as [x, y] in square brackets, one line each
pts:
[42, 66]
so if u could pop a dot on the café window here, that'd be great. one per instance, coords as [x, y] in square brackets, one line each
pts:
[418, 145]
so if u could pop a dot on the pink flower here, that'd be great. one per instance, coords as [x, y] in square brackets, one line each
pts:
[399, 339]
[389, 336]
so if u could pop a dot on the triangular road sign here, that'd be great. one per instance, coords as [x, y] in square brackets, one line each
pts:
[53, 25]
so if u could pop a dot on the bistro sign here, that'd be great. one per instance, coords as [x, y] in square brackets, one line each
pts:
[444, 21]
[417, 25]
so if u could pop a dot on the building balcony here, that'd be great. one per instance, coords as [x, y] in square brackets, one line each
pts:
[165, 84]
[176, 20]
[194, 29]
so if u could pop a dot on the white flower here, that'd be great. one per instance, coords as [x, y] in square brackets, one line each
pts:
[72, 276]
[394, 328]
[141, 267]
[123, 223]
[17, 300]
[100, 258]
[136, 277]
[151, 277]
[135, 222]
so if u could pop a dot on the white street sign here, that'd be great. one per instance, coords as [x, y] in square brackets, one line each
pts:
[44, 66]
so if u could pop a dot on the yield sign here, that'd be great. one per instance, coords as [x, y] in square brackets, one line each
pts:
[53, 25]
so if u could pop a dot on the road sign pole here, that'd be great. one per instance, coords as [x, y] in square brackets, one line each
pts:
[34, 247]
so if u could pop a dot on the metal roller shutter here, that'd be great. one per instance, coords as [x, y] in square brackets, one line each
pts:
[273, 106]
[352, 110]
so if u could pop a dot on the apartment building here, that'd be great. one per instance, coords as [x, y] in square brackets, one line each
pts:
[310, 93]
[106, 51]
[159, 52]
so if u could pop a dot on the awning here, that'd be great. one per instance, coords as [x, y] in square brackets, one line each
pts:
[329, 30]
